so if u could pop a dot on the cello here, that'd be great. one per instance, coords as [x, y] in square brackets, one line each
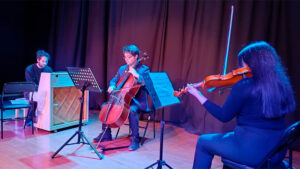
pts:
[115, 112]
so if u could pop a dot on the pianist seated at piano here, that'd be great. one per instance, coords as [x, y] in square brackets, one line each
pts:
[33, 73]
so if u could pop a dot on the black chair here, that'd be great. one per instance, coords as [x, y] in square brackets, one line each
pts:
[287, 139]
[11, 91]
[149, 112]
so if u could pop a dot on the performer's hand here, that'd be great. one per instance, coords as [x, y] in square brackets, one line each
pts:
[110, 89]
[192, 90]
[133, 72]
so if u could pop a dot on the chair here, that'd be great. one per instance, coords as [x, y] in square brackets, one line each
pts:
[11, 91]
[287, 139]
[148, 112]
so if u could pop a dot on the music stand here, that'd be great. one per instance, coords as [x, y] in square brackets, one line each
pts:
[161, 92]
[83, 79]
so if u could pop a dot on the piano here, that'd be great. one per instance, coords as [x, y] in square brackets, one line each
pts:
[58, 104]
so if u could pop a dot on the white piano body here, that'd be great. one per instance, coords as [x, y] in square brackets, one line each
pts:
[58, 104]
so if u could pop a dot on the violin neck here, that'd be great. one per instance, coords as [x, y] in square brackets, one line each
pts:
[198, 84]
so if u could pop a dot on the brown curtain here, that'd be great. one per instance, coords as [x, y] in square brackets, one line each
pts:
[184, 38]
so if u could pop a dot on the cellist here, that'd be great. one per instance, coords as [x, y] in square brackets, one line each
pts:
[131, 54]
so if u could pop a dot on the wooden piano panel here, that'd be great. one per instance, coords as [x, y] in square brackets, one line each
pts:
[58, 102]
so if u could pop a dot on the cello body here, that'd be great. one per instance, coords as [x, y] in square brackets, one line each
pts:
[116, 110]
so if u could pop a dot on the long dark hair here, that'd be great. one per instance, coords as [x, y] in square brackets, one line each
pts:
[271, 82]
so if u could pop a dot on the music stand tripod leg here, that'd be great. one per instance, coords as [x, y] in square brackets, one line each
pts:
[66, 143]
[80, 133]
[92, 146]
[83, 79]
[164, 163]
[102, 136]
[161, 162]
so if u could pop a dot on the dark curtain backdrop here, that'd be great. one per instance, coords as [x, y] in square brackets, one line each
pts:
[185, 38]
[24, 28]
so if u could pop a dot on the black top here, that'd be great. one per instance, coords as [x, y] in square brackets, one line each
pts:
[244, 105]
[33, 73]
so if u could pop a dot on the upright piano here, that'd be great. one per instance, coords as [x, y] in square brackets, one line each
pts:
[58, 102]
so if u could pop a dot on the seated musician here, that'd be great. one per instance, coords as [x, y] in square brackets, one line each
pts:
[33, 73]
[259, 104]
[131, 54]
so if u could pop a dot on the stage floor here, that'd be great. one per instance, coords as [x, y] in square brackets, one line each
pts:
[20, 149]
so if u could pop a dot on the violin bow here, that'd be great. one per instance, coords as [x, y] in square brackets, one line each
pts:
[228, 41]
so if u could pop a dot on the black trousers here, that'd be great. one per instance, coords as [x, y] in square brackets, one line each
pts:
[31, 113]
[245, 145]
[133, 123]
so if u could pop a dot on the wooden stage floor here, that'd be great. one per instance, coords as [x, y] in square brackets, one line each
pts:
[21, 150]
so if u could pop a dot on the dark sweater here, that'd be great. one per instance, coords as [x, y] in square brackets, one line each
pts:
[33, 73]
[244, 105]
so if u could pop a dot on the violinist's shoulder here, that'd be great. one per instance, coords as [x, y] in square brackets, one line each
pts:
[243, 83]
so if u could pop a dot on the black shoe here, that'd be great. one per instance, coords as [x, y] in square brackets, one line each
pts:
[106, 137]
[134, 146]
[28, 123]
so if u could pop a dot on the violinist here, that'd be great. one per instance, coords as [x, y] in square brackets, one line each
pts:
[131, 54]
[259, 104]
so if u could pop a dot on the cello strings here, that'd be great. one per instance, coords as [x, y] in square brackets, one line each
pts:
[134, 86]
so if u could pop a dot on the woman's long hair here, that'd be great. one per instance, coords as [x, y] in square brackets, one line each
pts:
[271, 82]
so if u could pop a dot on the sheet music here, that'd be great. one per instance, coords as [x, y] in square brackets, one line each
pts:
[83, 75]
[160, 89]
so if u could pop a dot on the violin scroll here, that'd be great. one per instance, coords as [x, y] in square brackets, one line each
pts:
[180, 92]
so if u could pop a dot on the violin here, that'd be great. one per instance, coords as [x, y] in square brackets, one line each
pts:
[219, 81]
[225, 80]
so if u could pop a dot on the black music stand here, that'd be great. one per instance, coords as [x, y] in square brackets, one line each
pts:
[161, 92]
[83, 79]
